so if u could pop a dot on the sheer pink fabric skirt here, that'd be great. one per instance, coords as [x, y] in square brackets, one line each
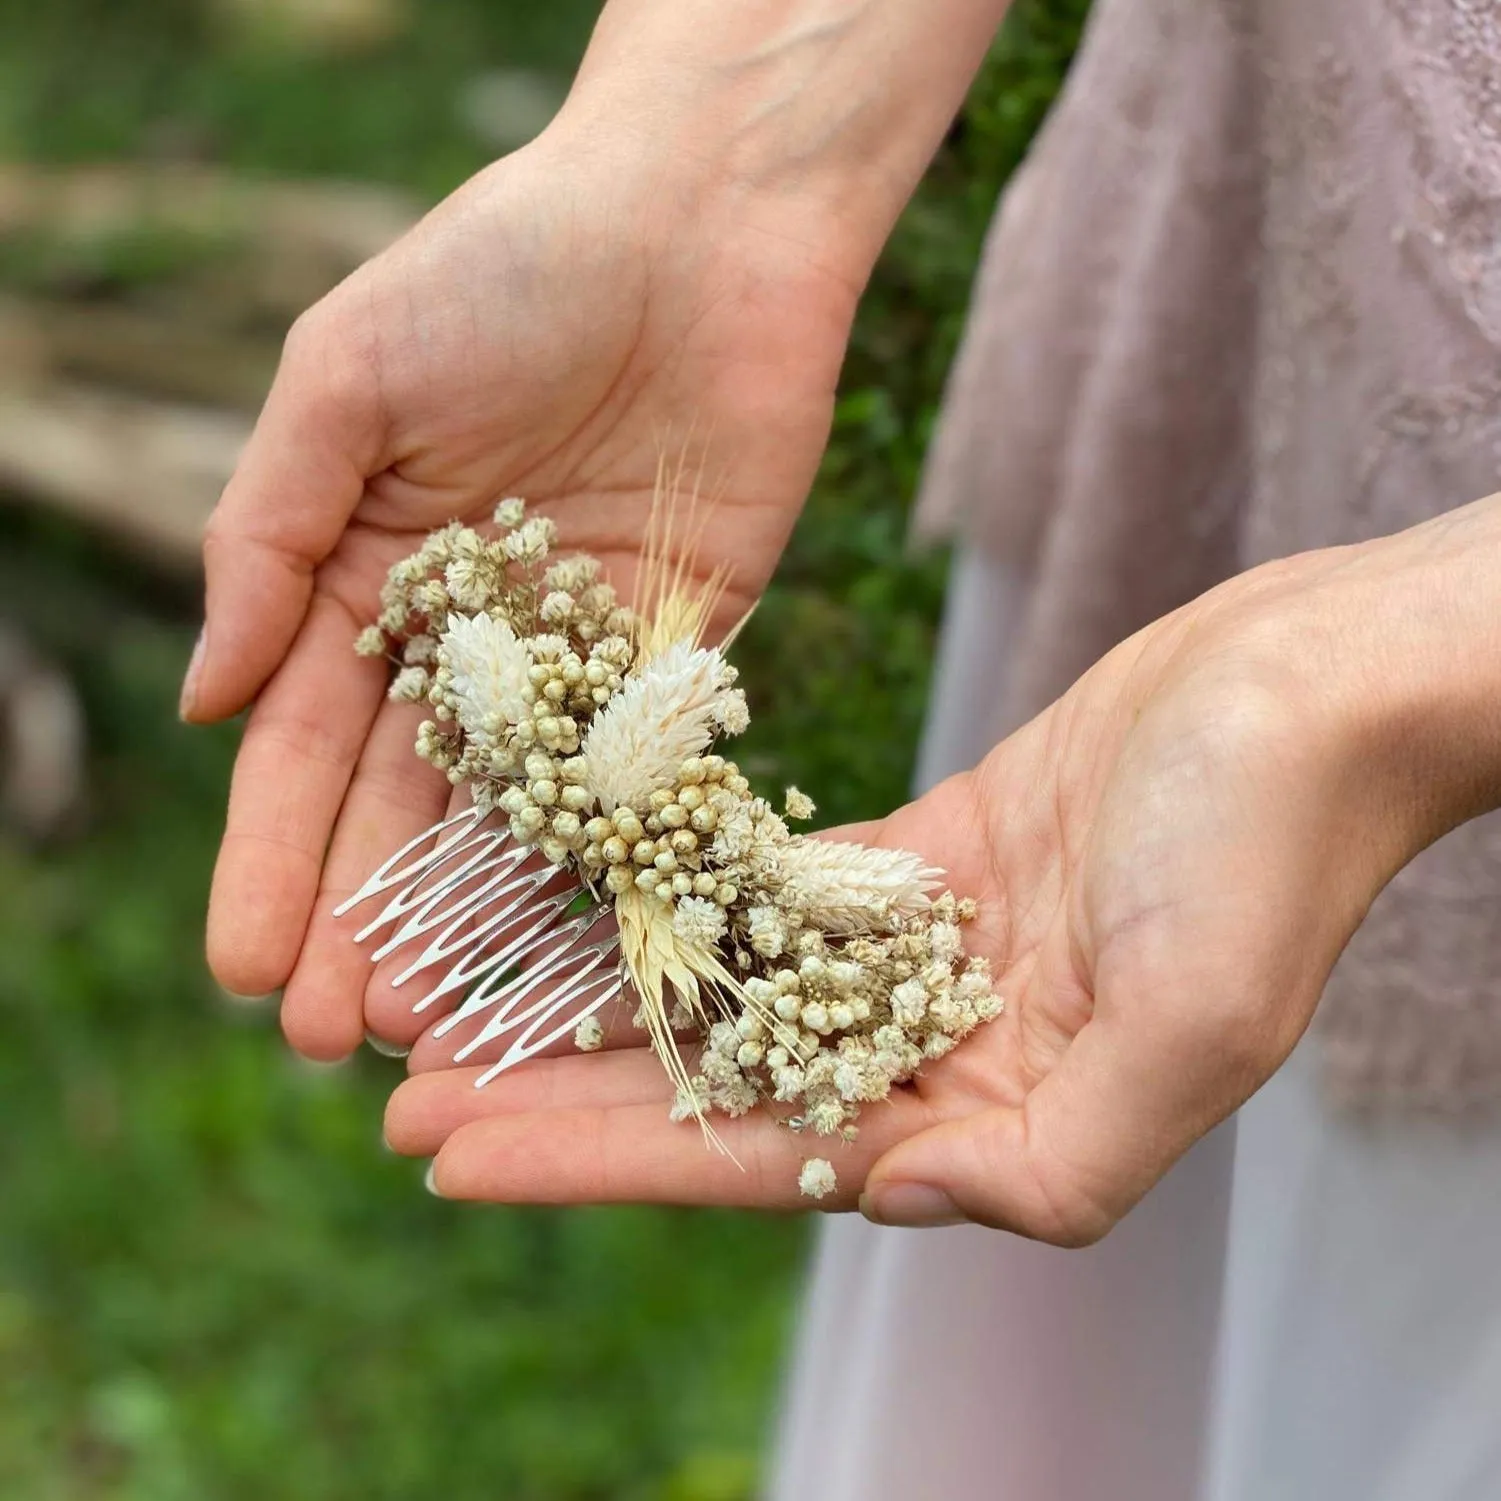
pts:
[1305, 1309]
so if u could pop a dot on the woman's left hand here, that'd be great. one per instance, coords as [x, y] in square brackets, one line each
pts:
[1168, 862]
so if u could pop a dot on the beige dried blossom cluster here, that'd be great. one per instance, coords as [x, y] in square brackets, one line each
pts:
[817, 975]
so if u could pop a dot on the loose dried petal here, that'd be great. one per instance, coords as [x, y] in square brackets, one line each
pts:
[817, 1178]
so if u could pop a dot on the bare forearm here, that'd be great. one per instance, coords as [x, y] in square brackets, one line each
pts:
[812, 118]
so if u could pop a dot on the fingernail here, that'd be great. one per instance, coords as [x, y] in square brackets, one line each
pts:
[430, 1182]
[189, 693]
[917, 1205]
[384, 1048]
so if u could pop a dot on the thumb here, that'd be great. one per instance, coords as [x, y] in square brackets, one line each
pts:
[293, 490]
[1079, 1150]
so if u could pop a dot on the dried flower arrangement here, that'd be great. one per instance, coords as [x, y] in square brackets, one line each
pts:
[814, 975]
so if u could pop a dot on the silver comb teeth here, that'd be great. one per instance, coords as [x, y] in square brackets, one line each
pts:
[534, 958]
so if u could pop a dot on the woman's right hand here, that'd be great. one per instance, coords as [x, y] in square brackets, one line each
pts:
[556, 328]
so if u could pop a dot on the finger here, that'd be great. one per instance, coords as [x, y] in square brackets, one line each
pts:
[613, 1154]
[293, 490]
[428, 1108]
[1063, 1166]
[293, 767]
[392, 798]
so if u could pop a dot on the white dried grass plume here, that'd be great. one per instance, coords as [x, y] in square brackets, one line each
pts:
[489, 666]
[845, 888]
[666, 712]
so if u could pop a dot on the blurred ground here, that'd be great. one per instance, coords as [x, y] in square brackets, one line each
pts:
[213, 1280]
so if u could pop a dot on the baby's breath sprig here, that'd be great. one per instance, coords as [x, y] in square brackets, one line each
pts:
[818, 975]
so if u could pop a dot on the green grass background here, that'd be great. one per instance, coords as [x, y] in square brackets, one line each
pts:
[214, 1281]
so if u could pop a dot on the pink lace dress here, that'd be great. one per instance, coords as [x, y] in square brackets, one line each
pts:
[1244, 299]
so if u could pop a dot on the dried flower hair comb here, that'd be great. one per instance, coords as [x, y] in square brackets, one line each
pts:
[609, 848]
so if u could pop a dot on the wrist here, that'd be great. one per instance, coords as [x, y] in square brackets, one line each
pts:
[1435, 654]
[808, 122]
[1396, 648]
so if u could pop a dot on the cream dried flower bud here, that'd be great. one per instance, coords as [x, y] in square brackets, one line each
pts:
[760, 990]
[544, 792]
[556, 608]
[644, 852]
[532, 540]
[510, 512]
[749, 1027]
[789, 1007]
[733, 714]
[946, 943]
[371, 642]
[673, 816]
[615, 849]
[749, 1054]
[629, 826]
[575, 799]
[682, 884]
[817, 1178]
[566, 825]
[618, 879]
[815, 1017]
[725, 894]
[799, 805]
[841, 1016]
[598, 829]
[409, 686]
[704, 884]
[909, 1003]
[589, 1035]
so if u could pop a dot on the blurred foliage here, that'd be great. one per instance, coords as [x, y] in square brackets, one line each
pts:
[213, 1280]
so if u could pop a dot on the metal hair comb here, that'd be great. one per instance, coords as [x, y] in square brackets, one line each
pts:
[538, 954]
